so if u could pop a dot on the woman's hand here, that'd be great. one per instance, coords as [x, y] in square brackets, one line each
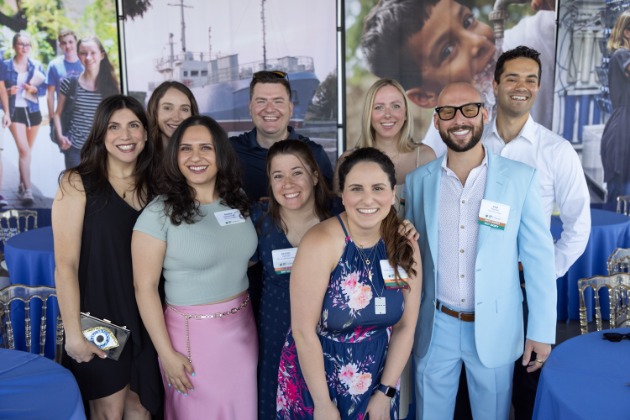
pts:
[13, 90]
[327, 411]
[64, 142]
[82, 351]
[6, 120]
[379, 406]
[408, 230]
[176, 366]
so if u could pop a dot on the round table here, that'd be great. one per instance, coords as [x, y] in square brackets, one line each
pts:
[30, 257]
[33, 387]
[30, 260]
[609, 230]
[586, 377]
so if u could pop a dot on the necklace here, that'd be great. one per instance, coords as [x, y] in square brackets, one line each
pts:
[380, 304]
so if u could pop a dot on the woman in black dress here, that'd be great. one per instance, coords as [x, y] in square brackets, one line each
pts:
[93, 215]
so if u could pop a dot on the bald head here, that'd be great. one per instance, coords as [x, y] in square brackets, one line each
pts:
[460, 116]
[458, 93]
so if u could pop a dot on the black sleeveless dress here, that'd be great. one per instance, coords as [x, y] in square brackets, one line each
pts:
[106, 291]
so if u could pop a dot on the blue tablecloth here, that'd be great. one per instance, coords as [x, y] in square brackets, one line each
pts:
[33, 387]
[30, 260]
[586, 377]
[609, 230]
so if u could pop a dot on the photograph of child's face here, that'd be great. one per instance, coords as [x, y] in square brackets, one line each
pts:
[452, 46]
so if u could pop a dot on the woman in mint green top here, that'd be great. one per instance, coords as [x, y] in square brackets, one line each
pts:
[199, 234]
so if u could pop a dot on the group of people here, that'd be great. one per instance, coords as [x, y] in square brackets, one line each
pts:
[157, 223]
[75, 83]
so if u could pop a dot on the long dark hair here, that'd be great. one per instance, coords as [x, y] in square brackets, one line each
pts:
[152, 110]
[106, 82]
[399, 251]
[321, 192]
[180, 203]
[94, 154]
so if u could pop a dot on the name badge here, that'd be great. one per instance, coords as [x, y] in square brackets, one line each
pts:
[283, 260]
[229, 217]
[389, 276]
[380, 306]
[493, 214]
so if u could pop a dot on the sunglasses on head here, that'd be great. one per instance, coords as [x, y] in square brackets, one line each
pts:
[271, 74]
[470, 110]
[615, 337]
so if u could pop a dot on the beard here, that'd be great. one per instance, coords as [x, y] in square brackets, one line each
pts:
[476, 132]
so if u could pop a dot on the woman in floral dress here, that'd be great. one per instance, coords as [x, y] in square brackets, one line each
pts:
[355, 296]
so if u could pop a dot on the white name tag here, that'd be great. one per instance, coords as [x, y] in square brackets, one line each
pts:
[283, 259]
[389, 277]
[229, 217]
[380, 306]
[493, 214]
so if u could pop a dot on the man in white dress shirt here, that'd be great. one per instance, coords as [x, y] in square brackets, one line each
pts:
[515, 135]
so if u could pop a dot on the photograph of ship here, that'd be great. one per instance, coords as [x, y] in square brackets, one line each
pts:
[215, 47]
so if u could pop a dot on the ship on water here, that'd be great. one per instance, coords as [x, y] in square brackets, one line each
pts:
[221, 83]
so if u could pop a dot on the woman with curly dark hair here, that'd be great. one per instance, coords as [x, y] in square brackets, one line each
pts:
[93, 216]
[200, 233]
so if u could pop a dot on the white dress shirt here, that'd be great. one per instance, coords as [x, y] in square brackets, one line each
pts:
[561, 179]
[457, 235]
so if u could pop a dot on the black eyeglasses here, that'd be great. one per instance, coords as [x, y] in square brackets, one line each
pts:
[615, 337]
[470, 110]
[271, 74]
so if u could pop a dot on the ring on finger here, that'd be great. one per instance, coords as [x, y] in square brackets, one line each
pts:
[540, 361]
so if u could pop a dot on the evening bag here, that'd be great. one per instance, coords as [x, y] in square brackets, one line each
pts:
[105, 335]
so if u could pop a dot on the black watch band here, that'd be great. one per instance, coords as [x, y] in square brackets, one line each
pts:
[387, 390]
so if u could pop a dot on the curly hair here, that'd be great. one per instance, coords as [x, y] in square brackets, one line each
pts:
[180, 204]
[94, 155]
[399, 251]
[519, 52]
[303, 153]
[386, 32]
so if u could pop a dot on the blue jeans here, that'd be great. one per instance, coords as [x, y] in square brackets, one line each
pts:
[72, 157]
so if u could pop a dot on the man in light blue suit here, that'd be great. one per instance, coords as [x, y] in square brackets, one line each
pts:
[477, 215]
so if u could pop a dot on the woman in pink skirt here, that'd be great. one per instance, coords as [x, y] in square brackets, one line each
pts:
[199, 235]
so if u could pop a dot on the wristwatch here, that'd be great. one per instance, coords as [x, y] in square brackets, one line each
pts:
[387, 390]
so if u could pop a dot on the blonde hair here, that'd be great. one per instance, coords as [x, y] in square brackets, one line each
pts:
[367, 139]
[617, 39]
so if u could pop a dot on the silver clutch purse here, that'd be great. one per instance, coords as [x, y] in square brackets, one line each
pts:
[105, 335]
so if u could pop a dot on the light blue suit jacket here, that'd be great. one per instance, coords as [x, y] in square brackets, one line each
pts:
[499, 337]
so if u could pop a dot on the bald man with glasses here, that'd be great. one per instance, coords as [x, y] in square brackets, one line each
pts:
[476, 213]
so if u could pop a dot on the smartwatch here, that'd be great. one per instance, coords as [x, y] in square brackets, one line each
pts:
[387, 390]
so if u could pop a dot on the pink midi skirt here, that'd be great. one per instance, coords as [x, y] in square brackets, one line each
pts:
[224, 353]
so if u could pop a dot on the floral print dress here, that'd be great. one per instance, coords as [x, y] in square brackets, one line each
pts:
[354, 333]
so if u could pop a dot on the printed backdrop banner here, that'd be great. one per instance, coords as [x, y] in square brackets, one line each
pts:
[427, 44]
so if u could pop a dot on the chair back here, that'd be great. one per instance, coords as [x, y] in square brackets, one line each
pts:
[16, 221]
[623, 204]
[18, 295]
[619, 261]
[618, 287]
